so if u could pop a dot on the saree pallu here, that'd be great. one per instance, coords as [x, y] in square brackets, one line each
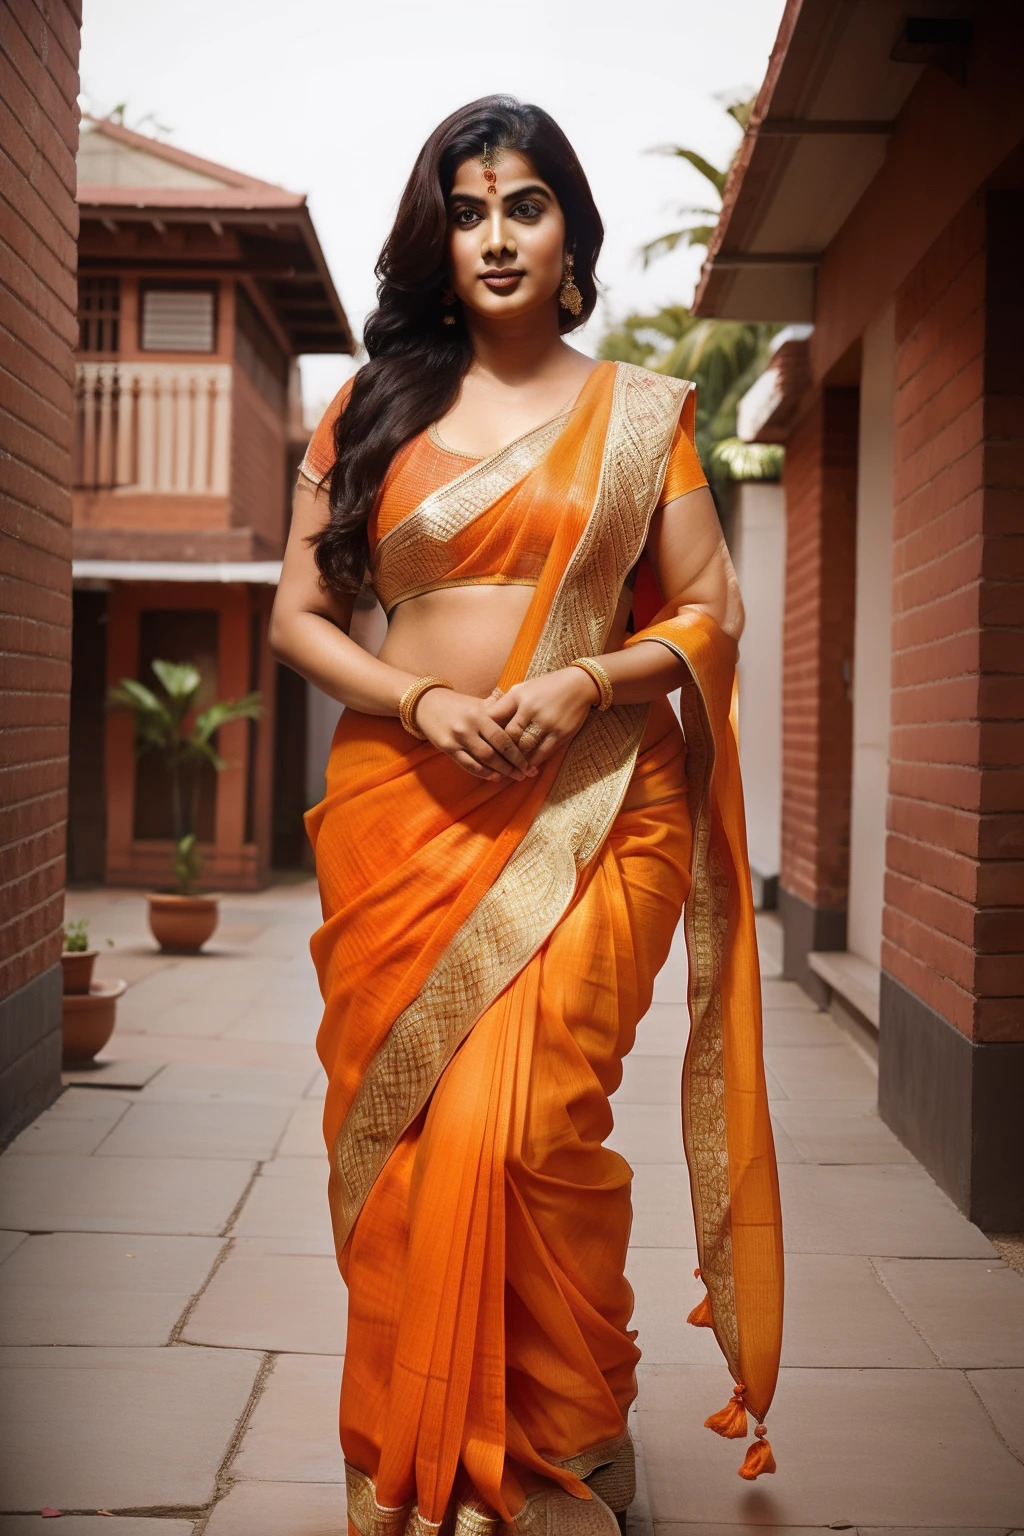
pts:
[486, 952]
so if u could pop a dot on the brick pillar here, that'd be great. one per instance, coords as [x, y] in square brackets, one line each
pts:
[820, 483]
[39, 228]
[952, 1005]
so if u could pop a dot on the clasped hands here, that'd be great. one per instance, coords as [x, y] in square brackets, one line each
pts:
[508, 735]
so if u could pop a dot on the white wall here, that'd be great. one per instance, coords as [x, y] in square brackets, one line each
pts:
[369, 626]
[872, 641]
[758, 548]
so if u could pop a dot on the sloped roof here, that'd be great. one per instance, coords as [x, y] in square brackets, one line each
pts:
[128, 178]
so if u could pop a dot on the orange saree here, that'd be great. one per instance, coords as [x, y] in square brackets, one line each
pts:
[486, 952]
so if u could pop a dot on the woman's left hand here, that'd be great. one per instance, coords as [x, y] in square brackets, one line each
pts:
[544, 713]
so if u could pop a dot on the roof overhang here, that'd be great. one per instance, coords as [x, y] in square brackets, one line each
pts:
[839, 74]
[252, 227]
[196, 572]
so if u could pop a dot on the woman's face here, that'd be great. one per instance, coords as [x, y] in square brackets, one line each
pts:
[506, 248]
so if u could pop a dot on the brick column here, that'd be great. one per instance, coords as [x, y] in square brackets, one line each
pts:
[38, 303]
[820, 483]
[952, 1004]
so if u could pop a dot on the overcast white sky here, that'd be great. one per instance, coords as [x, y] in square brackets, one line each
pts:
[334, 98]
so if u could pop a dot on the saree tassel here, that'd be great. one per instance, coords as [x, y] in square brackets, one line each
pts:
[731, 1421]
[759, 1456]
[701, 1317]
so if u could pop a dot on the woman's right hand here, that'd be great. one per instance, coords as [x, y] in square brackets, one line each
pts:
[461, 726]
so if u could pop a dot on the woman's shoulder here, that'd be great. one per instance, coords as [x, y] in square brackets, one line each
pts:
[319, 456]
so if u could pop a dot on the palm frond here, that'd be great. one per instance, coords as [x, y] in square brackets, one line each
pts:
[696, 234]
[737, 460]
[696, 159]
[223, 713]
[180, 679]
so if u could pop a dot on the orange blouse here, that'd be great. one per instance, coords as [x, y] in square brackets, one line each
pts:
[495, 548]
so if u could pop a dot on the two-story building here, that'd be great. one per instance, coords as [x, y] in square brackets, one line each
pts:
[199, 287]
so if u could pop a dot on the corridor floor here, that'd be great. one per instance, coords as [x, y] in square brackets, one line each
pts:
[173, 1324]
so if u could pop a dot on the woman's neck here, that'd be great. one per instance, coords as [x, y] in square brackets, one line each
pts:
[516, 351]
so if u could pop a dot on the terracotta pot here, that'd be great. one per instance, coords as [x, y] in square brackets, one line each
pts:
[181, 925]
[78, 966]
[88, 1019]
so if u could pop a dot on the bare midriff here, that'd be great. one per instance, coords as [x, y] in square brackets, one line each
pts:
[465, 634]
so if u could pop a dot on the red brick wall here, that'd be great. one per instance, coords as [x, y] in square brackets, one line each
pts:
[820, 481]
[38, 228]
[954, 916]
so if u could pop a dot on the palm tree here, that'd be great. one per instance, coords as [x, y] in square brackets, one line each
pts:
[723, 357]
[701, 232]
[161, 725]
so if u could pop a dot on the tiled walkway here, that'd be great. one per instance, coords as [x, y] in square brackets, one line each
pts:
[173, 1323]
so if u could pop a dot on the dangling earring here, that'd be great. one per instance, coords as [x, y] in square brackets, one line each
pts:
[569, 295]
[448, 300]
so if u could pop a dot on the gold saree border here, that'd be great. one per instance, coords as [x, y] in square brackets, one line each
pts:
[412, 556]
[501, 935]
[517, 914]
[644, 414]
[609, 1471]
[705, 922]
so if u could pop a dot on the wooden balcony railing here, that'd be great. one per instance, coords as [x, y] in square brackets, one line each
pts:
[158, 428]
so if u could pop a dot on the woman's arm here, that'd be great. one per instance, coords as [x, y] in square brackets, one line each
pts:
[309, 633]
[690, 559]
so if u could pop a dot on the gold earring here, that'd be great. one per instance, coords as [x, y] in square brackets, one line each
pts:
[448, 300]
[569, 295]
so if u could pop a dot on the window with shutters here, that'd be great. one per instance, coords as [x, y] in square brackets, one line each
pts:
[99, 314]
[178, 320]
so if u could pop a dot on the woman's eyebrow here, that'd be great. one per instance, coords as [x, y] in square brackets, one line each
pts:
[531, 188]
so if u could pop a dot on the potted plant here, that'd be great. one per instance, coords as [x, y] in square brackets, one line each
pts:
[181, 920]
[77, 958]
[90, 1007]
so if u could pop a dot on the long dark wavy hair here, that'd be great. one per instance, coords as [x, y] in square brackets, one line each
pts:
[416, 364]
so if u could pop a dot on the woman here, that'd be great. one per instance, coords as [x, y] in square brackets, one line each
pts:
[510, 828]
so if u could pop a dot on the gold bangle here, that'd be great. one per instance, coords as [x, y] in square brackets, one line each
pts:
[598, 675]
[411, 697]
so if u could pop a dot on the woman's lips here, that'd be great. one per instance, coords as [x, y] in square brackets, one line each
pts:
[504, 281]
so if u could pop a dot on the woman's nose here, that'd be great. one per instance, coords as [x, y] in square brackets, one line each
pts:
[498, 238]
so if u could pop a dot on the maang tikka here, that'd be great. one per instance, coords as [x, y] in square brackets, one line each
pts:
[569, 295]
[488, 169]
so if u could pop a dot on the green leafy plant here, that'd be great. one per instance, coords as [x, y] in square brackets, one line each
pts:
[76, 937]
[699, 232]
[166, 722]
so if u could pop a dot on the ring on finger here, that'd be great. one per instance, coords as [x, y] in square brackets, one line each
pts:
[533, 729]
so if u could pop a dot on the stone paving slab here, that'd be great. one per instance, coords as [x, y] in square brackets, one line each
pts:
[280, 1509]
[191, 1082]
[154, 1129]
[872, 1448]
[839, 1131]
[304, 1136]
[109, 1071]
[821, 1072]
[292, 1436]
[197, 1051]
[662, 1213]
[971, 1311]
[93, 1288]
[93, 1525]
[77, 1123]
[895, 1211]
[1002, 1393]
[272, 1301]
[118, 1428]
[287, 1204]
[190, 1196]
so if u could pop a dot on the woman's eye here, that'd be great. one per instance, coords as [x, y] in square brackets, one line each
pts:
[526, 210]
[465, 217]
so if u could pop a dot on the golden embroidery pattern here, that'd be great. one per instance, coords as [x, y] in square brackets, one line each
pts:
[412, 557]
[500, 936]
[645, 411]
[609, 1470]
[707, 1151]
